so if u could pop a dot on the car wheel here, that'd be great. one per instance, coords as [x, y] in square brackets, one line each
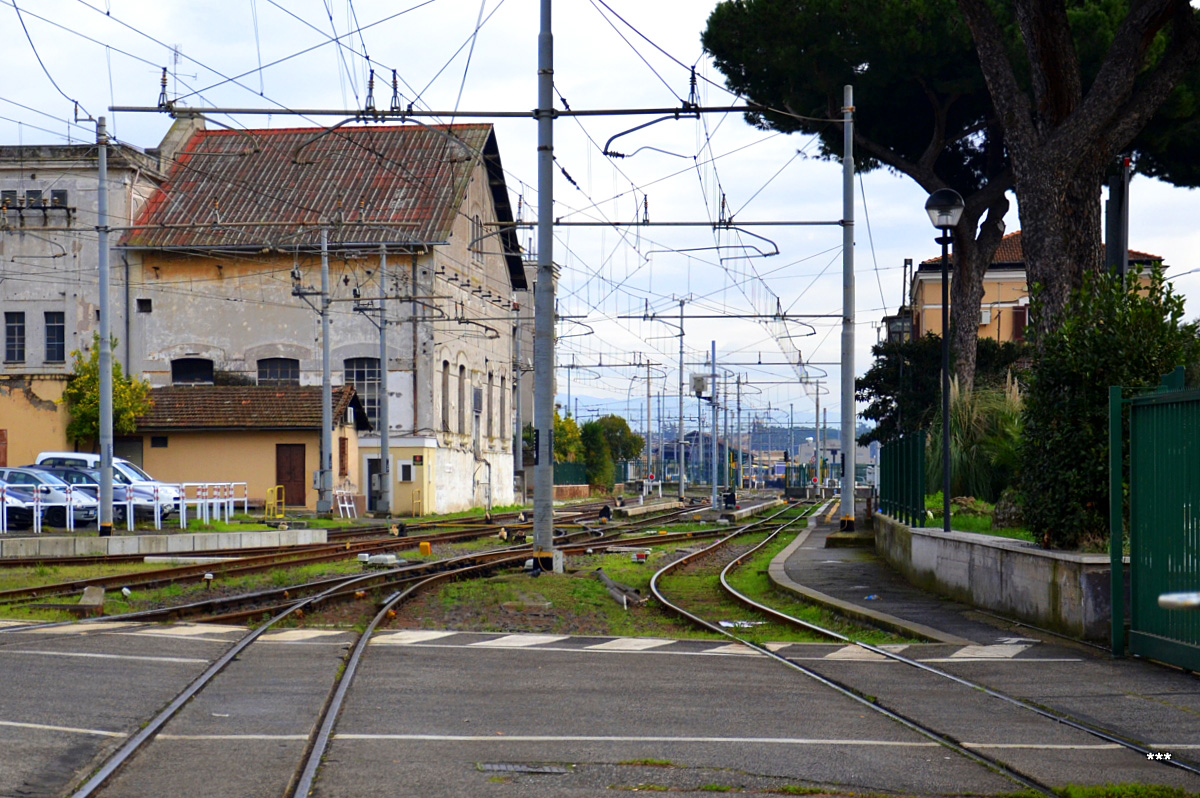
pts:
[56, 516]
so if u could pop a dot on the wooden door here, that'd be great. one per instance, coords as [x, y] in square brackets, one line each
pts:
[289, 472]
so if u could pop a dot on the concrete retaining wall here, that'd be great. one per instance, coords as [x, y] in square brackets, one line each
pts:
[55, 546]
[1061, 591]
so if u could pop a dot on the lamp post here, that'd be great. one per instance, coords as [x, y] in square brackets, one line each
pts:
[945, 207]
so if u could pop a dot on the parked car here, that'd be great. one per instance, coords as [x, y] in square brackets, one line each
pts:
[53, 492]
[18, 513]
[88, 479]
[168, 495]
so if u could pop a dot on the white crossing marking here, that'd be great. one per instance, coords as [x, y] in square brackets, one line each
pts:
[71, 729]
[988, 652]
[776, 646]
[523, 738]
[84, 628]
[855, 653]
[630, 644]
[189, 630]
[732, 648]
[294, 635]
[406, 638]
[231, 737]
[100, 656]
[1055, 746]
[519, 641]
[14, 623]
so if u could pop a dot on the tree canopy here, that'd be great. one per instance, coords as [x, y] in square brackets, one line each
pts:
[130, 399]
[623, 444]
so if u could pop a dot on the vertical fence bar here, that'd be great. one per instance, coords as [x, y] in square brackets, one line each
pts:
[1116, 520]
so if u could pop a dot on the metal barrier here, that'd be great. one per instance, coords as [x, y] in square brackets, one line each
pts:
[902, 479]
[345, 504]
[213, 501]
[274, 506]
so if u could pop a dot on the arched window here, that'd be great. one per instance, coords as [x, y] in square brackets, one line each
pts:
[278, 371]
[445, 396]
[462, 400]
[192, 371]
[363, 374]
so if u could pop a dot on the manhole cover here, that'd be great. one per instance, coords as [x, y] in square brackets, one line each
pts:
[516, 767]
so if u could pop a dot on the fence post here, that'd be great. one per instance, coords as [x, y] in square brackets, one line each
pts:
[1116, 520]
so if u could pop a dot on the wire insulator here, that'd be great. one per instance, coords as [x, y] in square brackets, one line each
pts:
[369, 105]
[395, 107]
[163, 102]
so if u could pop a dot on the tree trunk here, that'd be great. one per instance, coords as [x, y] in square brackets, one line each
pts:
[972, 256]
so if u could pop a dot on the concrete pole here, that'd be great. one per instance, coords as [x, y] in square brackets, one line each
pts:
[104, 520]
[714, 426]
[649, 437]
[325, 475]
[679, 432]
[848, 444]
[543, 332]
[518, 422]
[738, 434]
[791, 435]
[817, 431]
[385, 443]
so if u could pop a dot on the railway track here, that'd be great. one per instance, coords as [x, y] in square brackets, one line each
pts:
[922, 720]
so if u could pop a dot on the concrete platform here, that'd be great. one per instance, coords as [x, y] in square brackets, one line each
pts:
[637, 510]
[158, 544]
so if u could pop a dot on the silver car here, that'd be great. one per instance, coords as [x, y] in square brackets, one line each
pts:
[53, 492]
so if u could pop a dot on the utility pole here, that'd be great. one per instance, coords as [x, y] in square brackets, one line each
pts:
[848, 449]
[385, 443]
[104, 520]
[649, 437]
[543, 333]
[325, 474]
[518, 421]
[738, 433]
[714, 426]
[679, 432]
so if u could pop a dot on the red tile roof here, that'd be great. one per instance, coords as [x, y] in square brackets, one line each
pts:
[1010, 254]
[261, 407]
[260, 189]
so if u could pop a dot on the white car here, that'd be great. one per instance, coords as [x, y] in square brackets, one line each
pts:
[54, 494]
[130, 474]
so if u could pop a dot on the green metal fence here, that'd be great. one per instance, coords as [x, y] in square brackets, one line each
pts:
[1164, 523]
[570, 474]
[902, 479]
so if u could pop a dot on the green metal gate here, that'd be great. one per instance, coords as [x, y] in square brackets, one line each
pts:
[902, 478]
[1164, 523]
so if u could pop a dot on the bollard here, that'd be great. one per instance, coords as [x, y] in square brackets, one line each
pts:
[426, 548]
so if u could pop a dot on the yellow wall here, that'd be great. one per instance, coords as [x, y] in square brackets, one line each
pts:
[243, 457]
[1002, 294]
[31, 418]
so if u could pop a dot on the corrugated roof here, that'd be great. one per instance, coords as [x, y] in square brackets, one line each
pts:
[1010, 254]
[201, 407]
[261, 189]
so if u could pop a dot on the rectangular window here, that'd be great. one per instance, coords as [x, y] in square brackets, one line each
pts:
[33, 198]
[58, 198]
[343, 457]
[406, 472]
[14, 337]
[56, 337]
[144, 305]
[8, 198]
[278, 371]
[1019, 319]
[363, 374]
[158, 441]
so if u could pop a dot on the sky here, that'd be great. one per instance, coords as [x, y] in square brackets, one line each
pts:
[481, 55]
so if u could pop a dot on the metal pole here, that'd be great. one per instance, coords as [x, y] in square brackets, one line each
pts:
[104, 520]
[679, 433]
[817, 432]
[738, 434]
[791, 438]
[385, 443]
[944, 240]
[518, 421]
[714, 426]
[543, 332]
[848, 444]
[649, 437]
[325, 474]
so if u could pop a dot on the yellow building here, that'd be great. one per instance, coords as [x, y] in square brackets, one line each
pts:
[1004, 309]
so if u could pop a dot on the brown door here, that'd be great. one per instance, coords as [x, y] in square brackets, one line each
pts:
[289, 472]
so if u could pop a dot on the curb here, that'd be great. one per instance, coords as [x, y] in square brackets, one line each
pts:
[780, 579]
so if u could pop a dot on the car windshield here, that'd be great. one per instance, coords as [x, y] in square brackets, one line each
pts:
[40, 476]
[133, 473]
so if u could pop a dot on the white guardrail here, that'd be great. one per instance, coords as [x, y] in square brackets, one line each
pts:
[203, 501]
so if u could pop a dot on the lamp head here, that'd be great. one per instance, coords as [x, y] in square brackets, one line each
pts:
[945, 207]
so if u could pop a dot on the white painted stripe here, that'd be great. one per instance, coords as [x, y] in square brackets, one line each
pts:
[520, 738]
[84, 628]
[1172, 746]
[855, 653]
[189, 630]
[101, 656]
[732, 648]
[674, 651]
[1055, 746]
[14, 623]
[630, 644]
[519, 641]
[988, 652]
[406, 638]
[295, 635]
[1026, 661]
[231, 737]
[69, 729]
[777, 646]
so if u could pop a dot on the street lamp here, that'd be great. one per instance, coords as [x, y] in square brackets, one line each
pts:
[945, 207]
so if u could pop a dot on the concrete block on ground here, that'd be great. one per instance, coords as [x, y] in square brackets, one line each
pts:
[185, 542]
[92, 600]
[205, 541]
[85, 547]
[124, 544]
[257, 539]
[153, 544]
[228, 540]
[56, 547]
[19, 547]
